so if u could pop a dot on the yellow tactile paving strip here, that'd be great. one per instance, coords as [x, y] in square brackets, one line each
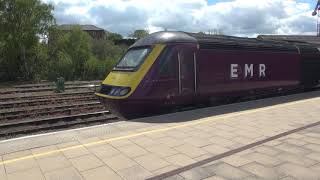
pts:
[202, 121]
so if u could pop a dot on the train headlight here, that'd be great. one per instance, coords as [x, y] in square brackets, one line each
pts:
[98, 89]
[112, 92]
[119, 91]
[124, 91]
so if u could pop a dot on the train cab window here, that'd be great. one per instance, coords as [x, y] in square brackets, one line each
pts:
[168, 64]
[132, 59]
[186, 57]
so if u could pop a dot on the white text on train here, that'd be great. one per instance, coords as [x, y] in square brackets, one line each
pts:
[248, 70]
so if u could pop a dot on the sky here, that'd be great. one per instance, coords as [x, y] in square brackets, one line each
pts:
[231, 17]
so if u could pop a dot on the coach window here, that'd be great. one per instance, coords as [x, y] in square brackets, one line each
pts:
[168, 64]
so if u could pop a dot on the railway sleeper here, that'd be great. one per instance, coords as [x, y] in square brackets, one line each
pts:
[69, 111]
[44, 96]
[15, 111]
[40, 103]
[44, 89]
[50, 123]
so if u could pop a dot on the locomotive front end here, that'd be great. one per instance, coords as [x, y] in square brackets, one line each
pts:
[119, 92]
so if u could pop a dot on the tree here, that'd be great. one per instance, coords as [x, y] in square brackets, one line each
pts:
[105, 49]
[78, 45]
[21, 24]
[140, 33]
[72, 49]
[114, 36]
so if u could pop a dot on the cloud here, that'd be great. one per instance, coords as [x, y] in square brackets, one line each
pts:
[235, 17]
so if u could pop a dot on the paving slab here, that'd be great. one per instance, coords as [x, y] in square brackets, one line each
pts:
[198, 173]
[162, 150]
[208, 143]
[293, 158]
[52, 163]
[21, 166]
[227, 171]
[298, 172]
[134, 173]
[32, 174]
[151, 162]
[144, 141]
[264, 162]
[71, 152]
[180, 160]
[100, 173]
[3, 175]
[63, 173]
[190, 150]
[237, 160]
[42, 150]
[119, 162]
[86, 162]
[261, 171]
[103, 150]
[133, 150]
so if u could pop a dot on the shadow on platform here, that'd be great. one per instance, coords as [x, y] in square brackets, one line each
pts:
[195, 114]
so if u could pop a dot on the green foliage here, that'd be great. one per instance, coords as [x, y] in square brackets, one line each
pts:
[61, 67]
[94, 68]
[36, 64]
[114, 36]
[69, 53]
[73, 55]
[21, 24]
[140, 33]
[78, 45]
[105, 49]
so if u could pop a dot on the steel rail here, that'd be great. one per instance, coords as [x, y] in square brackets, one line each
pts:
[13, 104]
[49, 111]
[12, 91]
[43, 96]
[51, 123]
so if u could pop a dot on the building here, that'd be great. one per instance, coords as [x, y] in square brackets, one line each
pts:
[94, 31]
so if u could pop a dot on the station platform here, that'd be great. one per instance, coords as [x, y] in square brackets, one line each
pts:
[275, 138]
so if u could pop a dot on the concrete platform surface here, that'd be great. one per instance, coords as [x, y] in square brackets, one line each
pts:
[276, 138]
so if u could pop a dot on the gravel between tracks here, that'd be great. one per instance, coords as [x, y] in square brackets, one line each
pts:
[29, 109]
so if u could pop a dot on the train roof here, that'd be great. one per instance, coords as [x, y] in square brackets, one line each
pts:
[293, 38]
[164, 37]
[219, 42]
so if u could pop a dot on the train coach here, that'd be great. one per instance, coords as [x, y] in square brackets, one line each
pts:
[173, 69]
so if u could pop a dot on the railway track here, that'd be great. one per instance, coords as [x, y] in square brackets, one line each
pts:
[38, 111]
[45, 101]
[41, 85]
[27, 109]
[28, 126]
[28, 90]
[39, 96]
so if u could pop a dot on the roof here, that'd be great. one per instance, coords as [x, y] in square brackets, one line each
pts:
[214, 41]
[68, 27]
[292, 38]
[164, 37]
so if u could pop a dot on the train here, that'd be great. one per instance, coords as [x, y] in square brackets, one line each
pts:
[173, 69]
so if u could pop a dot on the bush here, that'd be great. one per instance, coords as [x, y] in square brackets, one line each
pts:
[97, 69]
[61, 68]
[94, 69]
[36, 65]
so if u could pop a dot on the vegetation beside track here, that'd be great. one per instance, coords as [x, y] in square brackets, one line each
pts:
[33, 48]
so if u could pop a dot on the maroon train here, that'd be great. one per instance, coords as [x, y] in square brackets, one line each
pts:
[173, 69]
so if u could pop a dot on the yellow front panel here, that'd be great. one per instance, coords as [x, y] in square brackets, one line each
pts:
[132, 79]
